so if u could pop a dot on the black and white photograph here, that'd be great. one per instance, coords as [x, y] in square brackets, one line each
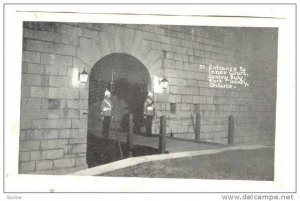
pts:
[139, 100]
[93, 94]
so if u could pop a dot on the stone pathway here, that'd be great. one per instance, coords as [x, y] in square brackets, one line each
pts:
[159, 157]
[236, 164]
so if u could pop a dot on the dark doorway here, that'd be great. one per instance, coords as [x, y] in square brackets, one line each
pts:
[128, 80]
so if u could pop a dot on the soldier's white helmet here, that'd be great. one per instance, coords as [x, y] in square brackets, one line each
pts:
[150, 93]
[107, 93]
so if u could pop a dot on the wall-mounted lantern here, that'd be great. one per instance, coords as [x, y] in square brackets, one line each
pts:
[164, 83]
[83, 76]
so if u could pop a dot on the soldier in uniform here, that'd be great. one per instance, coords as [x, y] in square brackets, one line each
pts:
[106, 113]
[149, 112]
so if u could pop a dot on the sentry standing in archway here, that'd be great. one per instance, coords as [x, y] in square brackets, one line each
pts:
[106, 113]
[149, 112]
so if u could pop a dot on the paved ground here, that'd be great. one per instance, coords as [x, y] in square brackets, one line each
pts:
[103, 151]
[236, 164]
[172, 145]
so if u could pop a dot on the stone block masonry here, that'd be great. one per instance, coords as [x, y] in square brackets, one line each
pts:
[54, 103]
[191, 84]
[48, 123]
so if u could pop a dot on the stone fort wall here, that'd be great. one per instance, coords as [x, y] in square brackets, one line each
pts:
[53, 131]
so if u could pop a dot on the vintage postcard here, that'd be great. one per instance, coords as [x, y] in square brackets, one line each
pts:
[140, 102]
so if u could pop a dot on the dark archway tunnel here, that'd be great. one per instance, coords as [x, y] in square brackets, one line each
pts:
[128, 80]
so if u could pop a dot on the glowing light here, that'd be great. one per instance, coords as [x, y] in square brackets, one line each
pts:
[75, 80]
[83, 76]
[156, 86]
[164, 83]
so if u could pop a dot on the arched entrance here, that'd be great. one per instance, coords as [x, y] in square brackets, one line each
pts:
[128, 79]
